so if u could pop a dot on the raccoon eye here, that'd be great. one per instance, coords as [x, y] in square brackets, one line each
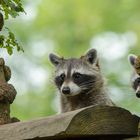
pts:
[138, 80]
[136, 83]
[77, 75]
[62, 76]
[59, 80]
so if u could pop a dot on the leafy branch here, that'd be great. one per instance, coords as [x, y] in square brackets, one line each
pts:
[9, 8]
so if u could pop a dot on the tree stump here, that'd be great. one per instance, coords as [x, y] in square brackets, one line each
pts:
[7, 94]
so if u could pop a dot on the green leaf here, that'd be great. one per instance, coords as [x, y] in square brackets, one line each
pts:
[11, 8]
[11, 36]
[9, 50]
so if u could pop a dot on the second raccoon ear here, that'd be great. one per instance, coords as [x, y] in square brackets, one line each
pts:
[132, 59]
[55, 60]
[91, 56]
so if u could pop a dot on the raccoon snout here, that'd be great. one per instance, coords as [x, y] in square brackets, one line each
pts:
[66, 90]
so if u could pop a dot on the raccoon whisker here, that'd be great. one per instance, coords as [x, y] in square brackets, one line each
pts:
[86, 83]
[86, 87]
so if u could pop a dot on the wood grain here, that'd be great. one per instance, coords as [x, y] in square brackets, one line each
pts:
[94, 122]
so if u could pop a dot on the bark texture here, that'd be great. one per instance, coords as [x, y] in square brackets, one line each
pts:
[94, 122]
[7, 93]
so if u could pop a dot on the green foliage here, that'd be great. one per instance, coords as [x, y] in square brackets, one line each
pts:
[70, 25]
[12, 8]
[9, 42]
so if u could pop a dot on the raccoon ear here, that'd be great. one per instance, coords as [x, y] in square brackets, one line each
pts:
[132, 58]
[91, 56]
[55, 60]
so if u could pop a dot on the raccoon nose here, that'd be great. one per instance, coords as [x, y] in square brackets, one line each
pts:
[66, 90]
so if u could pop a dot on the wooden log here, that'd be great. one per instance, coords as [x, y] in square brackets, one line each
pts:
[95, 122]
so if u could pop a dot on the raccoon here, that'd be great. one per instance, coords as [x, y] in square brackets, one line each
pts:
[80, 81]
[135, 78]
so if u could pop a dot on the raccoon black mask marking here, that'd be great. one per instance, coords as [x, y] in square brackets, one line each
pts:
[85, 82]
[79, 80]
[135, 78]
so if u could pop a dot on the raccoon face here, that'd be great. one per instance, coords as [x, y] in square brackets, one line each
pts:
[135, 79]
[77, 75]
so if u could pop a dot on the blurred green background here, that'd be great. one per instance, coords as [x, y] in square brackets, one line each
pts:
[69, 28]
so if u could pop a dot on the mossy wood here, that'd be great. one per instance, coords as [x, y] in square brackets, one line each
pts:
[94, 122]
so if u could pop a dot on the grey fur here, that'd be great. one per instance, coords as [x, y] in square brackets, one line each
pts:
[87, 64]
